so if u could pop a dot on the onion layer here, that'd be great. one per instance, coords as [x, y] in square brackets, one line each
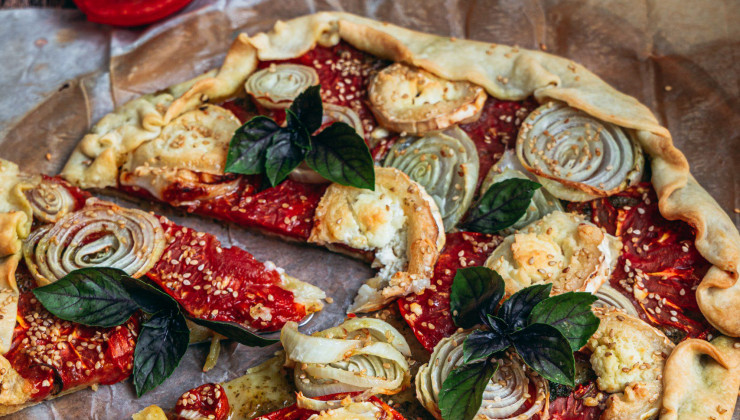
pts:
[49, 201]
[445, 164]
[101, 234]
[609, 296]
[542, 204]
[277, 86]
[507, 393]
[359, 355]
[576, 156]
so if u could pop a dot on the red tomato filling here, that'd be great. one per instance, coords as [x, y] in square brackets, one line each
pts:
[56, 355]
[222, 284]
[574, 406]
[660, 267]
[428, 313]
[295, 413]
[208, 401]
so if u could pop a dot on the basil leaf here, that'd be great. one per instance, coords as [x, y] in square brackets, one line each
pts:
[571, 314]
[308, 108]
[162, 342]
[497, 324]
[502, 205]
[340, 155]
[516, 309]
[302, 138]
[482, 344]
[235, 332]
[461, 394]
[283, 155]
[475, 292]
[149, 296]
[90, 296]
[544, 349]
[249, 145]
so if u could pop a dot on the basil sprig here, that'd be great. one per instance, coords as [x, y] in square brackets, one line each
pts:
[544, 331]
[108, 297]
[337, 153]
[503, 204]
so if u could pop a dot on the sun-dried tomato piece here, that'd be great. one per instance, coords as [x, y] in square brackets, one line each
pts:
[56, 355]
[222, 284]
[660, 267]
[208, 401]
[581, 404]
[295, 413]
[428, 313]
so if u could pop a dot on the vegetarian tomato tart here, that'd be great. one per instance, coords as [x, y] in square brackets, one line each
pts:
[541, 248]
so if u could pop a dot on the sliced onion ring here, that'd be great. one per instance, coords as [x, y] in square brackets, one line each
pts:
[365, 356]
[576, 156]
[277, 86]
[506, 393]
[609, 296]
[101, 234]
[49, 200]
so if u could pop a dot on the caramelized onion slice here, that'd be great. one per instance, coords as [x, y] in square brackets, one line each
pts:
[506, 393]
[576, 156]
[412, 100]
[99, 235]
[364, 356]
[609, 296]
[445, 164]
[276, 87]
[49, 200]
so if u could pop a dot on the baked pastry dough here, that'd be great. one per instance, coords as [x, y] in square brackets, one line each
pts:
[411, 100]
[189, 148]
[628, 356]
[562, 249]
[398, 221]
[701, 380]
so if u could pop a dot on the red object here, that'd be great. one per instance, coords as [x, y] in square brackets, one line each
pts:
[56, 355]
[428, 314]
[129, 12]
[209, 401]
[295, 413]
[573, 406]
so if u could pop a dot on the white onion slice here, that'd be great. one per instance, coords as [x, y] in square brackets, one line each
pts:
[49, 200]
[359, 355]
[576, 156]
[99, 235]
[445, 164]
[609, 296]
[276, 87]
[504, 395]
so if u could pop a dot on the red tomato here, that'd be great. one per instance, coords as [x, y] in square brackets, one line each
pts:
[129, 12]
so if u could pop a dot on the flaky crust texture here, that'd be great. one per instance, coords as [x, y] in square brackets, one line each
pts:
[701, 380]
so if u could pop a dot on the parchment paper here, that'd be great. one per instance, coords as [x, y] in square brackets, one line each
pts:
[59, 74]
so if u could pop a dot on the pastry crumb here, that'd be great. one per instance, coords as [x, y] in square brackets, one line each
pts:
[737, 210]
[48, 156]
[329, 299]
[543, 46]
[668, 88]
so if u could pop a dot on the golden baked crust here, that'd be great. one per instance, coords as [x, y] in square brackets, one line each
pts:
[628, 356]
[399, 221]
[701, 380]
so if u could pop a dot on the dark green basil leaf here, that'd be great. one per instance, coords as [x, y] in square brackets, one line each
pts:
[150, 298]
[544, 349]
[90, 296]
[308, 108]
[502, 205]
[461, 394]
[340, 155]
[482, 344]
[474, 294]
[303, 138]
[162, 342]
[516, 309]
[235, 332]
[249, 145]
[571, 314]
[283, 155]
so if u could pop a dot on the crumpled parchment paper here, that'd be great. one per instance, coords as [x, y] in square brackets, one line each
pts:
[60, 73]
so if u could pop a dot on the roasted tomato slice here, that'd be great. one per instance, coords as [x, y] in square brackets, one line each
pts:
[208, 401]
[129, 12]
[295, 413]
[56, 355]
[428, 313]
[584, 403]
[660, 267]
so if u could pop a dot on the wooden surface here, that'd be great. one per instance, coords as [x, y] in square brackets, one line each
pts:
[11, 4]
